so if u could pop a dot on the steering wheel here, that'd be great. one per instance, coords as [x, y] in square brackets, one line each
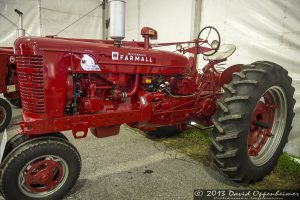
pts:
[213, 35]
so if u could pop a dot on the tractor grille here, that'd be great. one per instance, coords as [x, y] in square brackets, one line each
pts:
[31, 82]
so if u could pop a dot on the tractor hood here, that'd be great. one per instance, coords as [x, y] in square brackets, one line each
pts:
[103, 56]
[6, 50]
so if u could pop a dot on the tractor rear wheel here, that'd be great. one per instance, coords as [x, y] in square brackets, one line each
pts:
[253, 121]
[44, 168]
[16, 102]
[5, 114]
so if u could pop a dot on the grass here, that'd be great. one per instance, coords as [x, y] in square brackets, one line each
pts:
[286, 175]
[196, 144]
[193, 143]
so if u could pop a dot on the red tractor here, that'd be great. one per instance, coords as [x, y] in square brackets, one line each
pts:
[8, 79]
[8, 85]
[96, 85]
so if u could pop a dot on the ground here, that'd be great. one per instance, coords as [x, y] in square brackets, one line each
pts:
[195, 143]
[131, 166]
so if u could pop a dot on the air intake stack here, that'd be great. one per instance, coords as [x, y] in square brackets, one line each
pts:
[117, 20]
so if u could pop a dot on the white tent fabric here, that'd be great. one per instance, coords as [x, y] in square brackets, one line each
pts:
[171, 18]
[57, 15]
[9, 19]
[52, 17]
[262, 30]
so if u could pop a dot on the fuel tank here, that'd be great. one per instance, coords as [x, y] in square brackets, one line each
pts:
[101, 56]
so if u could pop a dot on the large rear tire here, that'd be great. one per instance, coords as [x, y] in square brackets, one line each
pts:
[253, 121]
[44, 168]
[5, 114]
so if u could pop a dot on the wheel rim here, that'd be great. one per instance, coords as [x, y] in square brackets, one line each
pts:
[43, 176]
[3, 115]
[267, 125]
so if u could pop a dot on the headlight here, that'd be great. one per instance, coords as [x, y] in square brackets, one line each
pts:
[214, 44]
[178, 47]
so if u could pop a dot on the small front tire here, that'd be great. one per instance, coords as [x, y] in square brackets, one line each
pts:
[5, 114]
[40, 169]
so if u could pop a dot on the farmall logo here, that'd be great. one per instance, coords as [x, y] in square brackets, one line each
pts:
[135, 57]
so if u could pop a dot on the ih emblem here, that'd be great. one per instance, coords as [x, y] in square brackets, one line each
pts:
[115, 55]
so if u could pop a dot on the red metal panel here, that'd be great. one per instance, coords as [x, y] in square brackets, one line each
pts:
[31, 80]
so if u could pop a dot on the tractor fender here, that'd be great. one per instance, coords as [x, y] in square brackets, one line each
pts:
[226, 75]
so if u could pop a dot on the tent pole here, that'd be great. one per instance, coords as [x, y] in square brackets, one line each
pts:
[40, 16]
[105, 19]
[196, 18]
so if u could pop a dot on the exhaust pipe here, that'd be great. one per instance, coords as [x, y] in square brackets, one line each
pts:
[20, 30]
[117, 20]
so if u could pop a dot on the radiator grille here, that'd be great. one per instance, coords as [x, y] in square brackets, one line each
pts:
[31, 82]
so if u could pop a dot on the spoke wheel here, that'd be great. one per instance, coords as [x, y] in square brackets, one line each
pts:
[265, 135]
[211, 39]
[43, 176]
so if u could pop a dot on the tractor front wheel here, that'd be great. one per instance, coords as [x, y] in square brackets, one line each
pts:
[5, 114]
[253, 121]
[45, 168]
[20, 139]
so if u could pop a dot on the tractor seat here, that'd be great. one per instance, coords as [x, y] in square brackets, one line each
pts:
[223, 52]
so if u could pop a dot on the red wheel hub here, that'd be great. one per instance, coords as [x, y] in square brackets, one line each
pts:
[43, 175]
[261, 124]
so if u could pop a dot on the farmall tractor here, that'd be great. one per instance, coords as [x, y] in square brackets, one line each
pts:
[96, 85]
[8, 86]
[8, 79]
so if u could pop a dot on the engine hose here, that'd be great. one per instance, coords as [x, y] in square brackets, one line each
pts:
[135, 87]
[179, 96]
